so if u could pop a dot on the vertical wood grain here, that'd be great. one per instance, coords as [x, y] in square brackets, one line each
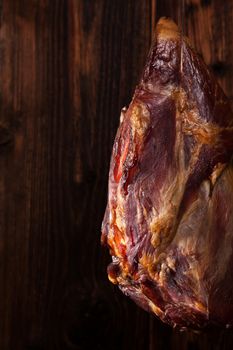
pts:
[67, 67]
[108, 53]
[35, 171]
[208, 24]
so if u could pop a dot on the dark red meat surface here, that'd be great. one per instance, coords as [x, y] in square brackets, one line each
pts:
[169, 218]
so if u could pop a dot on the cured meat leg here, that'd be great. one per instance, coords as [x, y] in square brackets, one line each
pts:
[169, 217]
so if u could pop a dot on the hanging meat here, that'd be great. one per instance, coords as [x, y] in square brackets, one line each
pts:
[169, 217]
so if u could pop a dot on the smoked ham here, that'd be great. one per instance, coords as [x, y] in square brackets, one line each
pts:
[169, 217]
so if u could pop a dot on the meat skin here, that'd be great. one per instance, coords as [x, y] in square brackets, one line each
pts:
[169, 217]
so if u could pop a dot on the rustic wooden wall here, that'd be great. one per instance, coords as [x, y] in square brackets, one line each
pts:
[66, 69]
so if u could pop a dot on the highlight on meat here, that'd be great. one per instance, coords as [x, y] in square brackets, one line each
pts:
[169, 217]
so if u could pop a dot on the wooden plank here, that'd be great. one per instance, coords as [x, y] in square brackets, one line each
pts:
[66, 70]
[208, 24]
[107, 63]
[35, 171]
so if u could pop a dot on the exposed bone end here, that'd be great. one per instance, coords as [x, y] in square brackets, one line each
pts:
[167, 29]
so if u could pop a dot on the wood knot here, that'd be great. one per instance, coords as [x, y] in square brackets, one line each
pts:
[5, 136]
[191, 8]
[219, 68]
[206, 2]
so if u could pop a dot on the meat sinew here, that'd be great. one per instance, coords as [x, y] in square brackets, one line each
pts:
[169, 217]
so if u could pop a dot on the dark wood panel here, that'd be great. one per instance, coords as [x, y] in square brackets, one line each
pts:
[67, 67]
[208, 24]
[108, 44]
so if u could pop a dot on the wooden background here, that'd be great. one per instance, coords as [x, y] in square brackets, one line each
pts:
[66, 69]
